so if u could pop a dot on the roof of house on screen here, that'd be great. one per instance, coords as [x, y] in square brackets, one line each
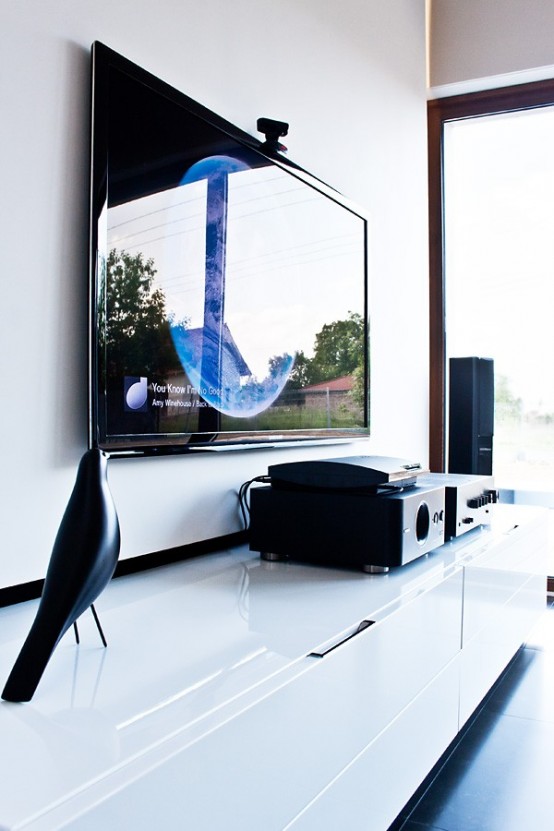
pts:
[343, 384]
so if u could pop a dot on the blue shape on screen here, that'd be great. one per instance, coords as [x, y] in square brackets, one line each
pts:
[209, 354]
[219, 380]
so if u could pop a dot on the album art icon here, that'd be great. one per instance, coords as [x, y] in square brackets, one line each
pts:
[135, 392]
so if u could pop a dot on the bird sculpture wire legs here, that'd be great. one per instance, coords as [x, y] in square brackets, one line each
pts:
[97, 621]
[82, 563]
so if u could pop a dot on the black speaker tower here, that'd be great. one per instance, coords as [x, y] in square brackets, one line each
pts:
[471, 415]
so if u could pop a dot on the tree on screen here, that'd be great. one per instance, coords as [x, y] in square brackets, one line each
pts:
[134, 323]
[338, 351]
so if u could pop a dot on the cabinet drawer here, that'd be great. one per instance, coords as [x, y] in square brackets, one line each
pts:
[264, 766]
[494, 579]
[486, 655]
[504, 593]
[371, 792]
[486, 591]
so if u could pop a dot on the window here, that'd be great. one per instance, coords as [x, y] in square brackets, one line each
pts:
[492, 267]
[498, 191]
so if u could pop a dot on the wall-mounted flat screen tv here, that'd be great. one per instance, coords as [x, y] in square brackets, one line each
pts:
[228, 286]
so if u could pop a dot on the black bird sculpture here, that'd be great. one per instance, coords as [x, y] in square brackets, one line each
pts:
[82, 563]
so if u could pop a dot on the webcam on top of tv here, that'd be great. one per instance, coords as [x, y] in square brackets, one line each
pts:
[273, 131]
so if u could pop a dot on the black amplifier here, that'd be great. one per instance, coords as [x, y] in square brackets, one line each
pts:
[341, 527]
[469, 500]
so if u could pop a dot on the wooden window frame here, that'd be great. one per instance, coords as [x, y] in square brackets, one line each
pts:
[440, 111]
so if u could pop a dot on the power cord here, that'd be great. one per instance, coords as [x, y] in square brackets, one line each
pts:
[244, 505]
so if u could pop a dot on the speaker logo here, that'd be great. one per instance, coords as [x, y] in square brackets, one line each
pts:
[135, 392]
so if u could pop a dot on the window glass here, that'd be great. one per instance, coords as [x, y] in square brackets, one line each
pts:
[499, 278]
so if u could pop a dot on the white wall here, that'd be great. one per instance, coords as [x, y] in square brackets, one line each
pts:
[506, 41]
[350, 79]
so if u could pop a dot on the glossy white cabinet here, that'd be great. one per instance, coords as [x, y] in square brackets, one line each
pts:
[503, 589]
[211, 708]
[369, 793]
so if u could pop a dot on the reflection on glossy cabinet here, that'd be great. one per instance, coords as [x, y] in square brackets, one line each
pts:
[504, 591]
[253, 695]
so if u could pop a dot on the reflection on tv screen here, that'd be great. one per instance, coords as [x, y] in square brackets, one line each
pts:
[231, 293]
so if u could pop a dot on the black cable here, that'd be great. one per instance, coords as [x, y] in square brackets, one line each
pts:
[243, 498]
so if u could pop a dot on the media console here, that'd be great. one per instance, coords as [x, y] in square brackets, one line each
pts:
[242, 694]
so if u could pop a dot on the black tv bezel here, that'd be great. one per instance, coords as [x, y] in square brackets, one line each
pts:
[103, 59]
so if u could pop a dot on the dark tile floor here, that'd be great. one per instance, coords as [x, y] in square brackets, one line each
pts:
[500, 775]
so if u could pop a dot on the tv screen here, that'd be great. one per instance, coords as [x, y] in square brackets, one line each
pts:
[228, 287]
